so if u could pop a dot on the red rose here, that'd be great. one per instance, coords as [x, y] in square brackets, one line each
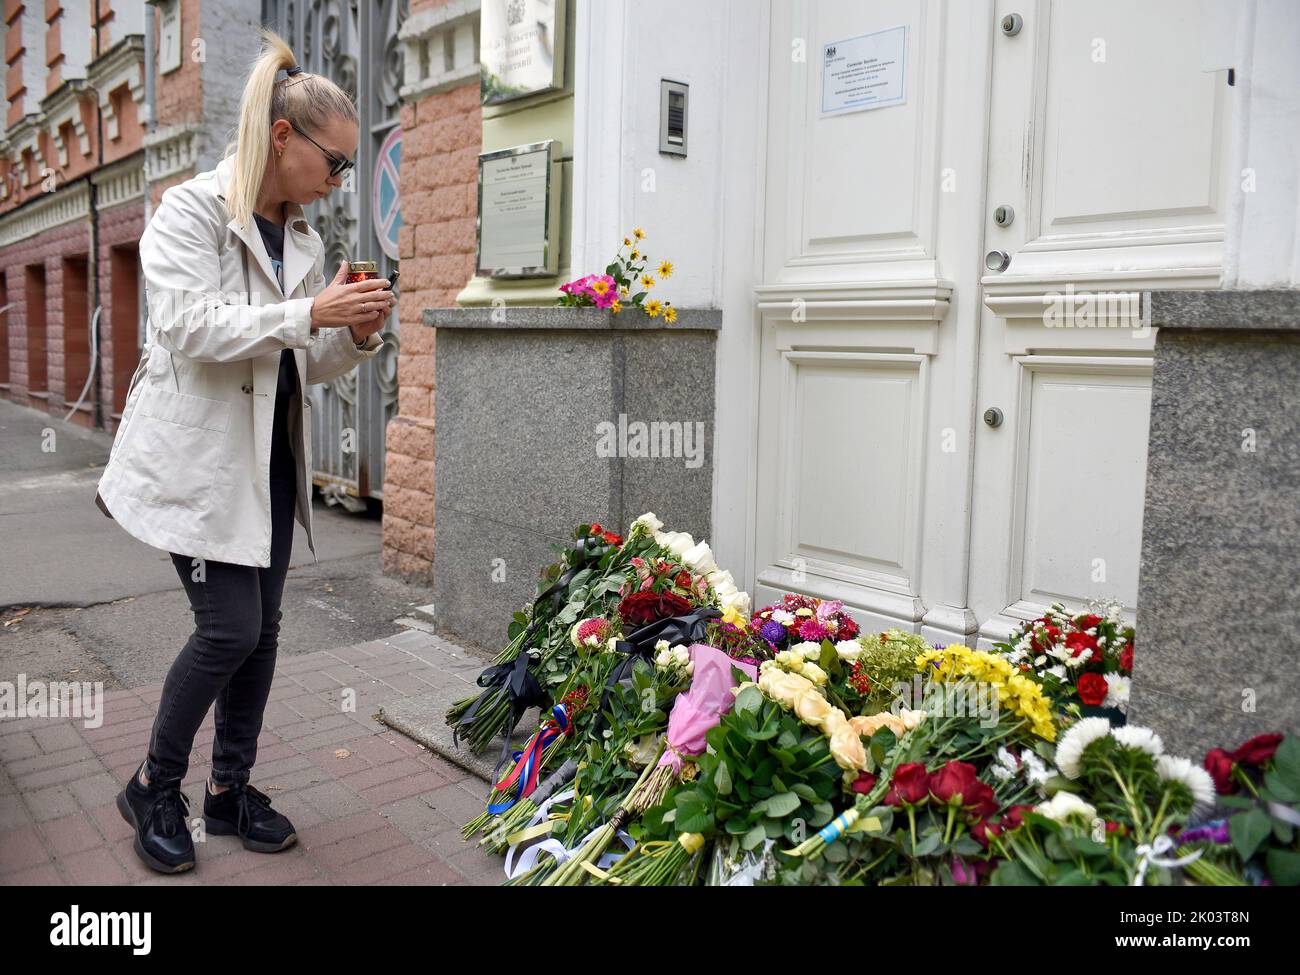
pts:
[1044, 638]
[980, 802]
[1126, 660]
[910, 785]
[595, 528]
[1015, 816]
[864, 783]
[647, 606]
[985, 830]
[611, 538]
[1079, 642]
[954, 783]
[1219, 764]
[1092, 689]
[1258, 750]
[1088, 622]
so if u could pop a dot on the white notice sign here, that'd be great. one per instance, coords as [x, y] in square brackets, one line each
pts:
[865, 72]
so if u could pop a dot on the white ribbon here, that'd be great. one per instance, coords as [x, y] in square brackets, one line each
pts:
[1154, 853]
[529, 857]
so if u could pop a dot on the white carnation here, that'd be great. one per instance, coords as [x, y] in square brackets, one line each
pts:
[1069, 751]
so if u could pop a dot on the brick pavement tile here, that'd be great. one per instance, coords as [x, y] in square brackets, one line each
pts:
[95, 790]
[308, 705]
[338, 855]
[334, 801]
[51, 803]
[335, 737]
[384, 671]
[379, 774]
[21, 848]
[71, 834]
[97, 866]
[379, 868]
[316, 681]
[54, 737]
[455, 802]
[404, 787]
[278, 713]
[340, 760]
[45, 875]
[479, 868]
[43, 761]
[314, 726]
[282, 868]
[16, 746]
[343, 828]
[60, 775]
[13, 813]
[435, 873]
[355, 654]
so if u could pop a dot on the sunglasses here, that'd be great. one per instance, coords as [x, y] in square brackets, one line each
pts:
[337, 163]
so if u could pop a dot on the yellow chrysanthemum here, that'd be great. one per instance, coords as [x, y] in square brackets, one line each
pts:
[638, 233]
[635, 254]
[622, 292]
[1015, 691]
[647, 281]
[616, 307]
[652, 307]
[627, 242]
[670, 315]
[665, 269]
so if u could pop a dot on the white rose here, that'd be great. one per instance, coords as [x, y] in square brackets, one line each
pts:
[808, 650]
[700, 558]
[661, 644]
[739, 601]
[813, 673]
[849, 650]
[680, 543]
[648, 519]
[719, 577]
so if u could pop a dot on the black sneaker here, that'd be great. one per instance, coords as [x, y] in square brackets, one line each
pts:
[245, 811]
[160, 818]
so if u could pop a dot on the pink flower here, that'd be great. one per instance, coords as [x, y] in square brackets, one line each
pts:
[828, 609]
[812, 630]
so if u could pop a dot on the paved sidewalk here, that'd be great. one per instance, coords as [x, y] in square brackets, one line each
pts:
[370, 805]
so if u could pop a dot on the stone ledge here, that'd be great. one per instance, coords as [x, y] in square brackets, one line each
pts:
[1250, 310]
[563, 318]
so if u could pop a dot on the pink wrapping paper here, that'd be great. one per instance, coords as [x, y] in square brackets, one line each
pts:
[703, 704]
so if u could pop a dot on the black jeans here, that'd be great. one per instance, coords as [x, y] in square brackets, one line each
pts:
[230, 657]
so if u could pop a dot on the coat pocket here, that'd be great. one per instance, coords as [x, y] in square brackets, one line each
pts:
[177, 448]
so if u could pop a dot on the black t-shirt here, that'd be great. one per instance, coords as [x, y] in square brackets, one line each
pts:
[282, 463]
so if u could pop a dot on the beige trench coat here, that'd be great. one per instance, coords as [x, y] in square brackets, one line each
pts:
[190, 463]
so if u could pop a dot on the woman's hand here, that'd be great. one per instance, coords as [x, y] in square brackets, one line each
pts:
[362, 306]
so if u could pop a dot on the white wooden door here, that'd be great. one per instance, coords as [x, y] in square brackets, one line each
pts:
[1107, 140]
[883, 338]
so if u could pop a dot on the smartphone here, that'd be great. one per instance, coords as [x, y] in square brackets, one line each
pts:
[392, 279]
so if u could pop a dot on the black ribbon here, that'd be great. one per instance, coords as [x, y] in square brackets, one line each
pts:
[513, 677]
[640, 643]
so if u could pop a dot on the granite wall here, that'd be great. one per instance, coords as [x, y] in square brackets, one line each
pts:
[1219, 592]
[520, 396]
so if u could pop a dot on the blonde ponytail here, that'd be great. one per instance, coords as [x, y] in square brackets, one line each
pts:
[308, 100]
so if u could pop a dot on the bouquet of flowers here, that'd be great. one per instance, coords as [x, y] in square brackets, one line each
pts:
[625, 283]
[800, 619]
[1261, 781]
[1084, 661]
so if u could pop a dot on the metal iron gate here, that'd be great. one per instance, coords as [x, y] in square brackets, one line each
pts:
[354, 43]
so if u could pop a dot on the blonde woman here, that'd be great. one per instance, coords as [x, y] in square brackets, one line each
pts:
[212, 456]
